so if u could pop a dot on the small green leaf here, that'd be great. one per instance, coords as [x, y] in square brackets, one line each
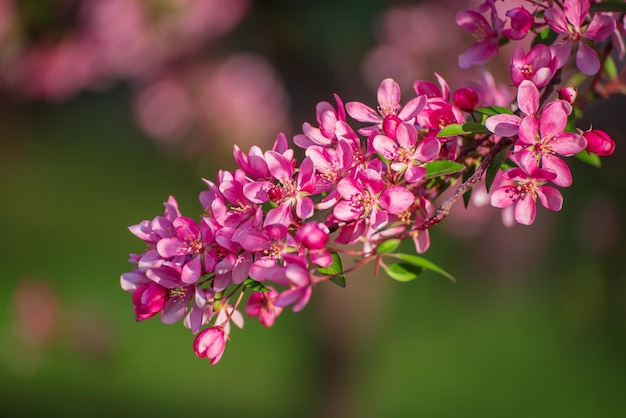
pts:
[442, 168]
[494, 110]
[388, 246]
[254, 285]
[589, 158]
[403, 272]
[495, 165]
[455, 129]
[424, 263]
[335, 270]
[546, 37]
[608, 6]
[610, 68]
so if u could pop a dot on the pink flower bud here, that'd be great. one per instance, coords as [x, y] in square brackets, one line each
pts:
[313, 235]
[149, 300]
[210, 343]
[390, 124]
[568, 94]
[599, 142]
[465, 99]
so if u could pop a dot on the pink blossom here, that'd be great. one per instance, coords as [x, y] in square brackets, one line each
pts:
[367, 197]
[327, 117]
[542, 140]
[486, 34]
[537, 66]
[570, 24]
[210, 343]
[388, 104]
[405, 155]
[261, 304]
[521, 22]
[521, 186]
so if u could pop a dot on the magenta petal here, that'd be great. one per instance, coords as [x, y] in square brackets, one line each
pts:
[385, 146]
[553, 121]
[414, 173]
[280, 167]
[256, 191]
[528, 130]
[174, 310]
[344, 211]
[557, 20]
[525, 210]
[191, 271]
[587, 59]
[388, 93]
[550, 197]
[600, 28]
[568, 144]
[412, 108]
[304, 207]
[170, 247]
[428, 149]
[528, 97]
[575, 11]
[195, 318]
[562, 50]
[560, 168]
[279, 215]
[504, 196]
[252, 239]
[348, 187]
[503, 125]
[396, 199]
[361, 112]
[478, 53]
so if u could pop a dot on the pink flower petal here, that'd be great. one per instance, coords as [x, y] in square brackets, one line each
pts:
[525, 210]
[550, 197]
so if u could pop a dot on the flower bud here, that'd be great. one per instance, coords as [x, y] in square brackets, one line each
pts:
[210, 343]
[465, 99]
[390, 125]
[313, 235]
[149, 300]
[599, 142]
[568, 94]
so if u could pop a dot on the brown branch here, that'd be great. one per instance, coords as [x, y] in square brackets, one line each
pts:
[444, 210]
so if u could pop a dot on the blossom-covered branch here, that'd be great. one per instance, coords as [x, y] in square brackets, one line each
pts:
[372, 177]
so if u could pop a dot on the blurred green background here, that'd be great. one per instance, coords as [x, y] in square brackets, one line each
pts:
[535, 326]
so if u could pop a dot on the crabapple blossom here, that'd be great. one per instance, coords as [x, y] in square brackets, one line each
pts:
[570, 24]
[521, 186]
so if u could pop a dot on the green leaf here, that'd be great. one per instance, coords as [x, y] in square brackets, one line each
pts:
[424, 263]
[254, 285]
[494, 110]
[608, 6]
[468, 194]
[455, 129]
[495, 165]
[335, 270]
[388, 246]
[546, 37]
[403, 272]
[589, 158]
[610, 68]
[442, 168]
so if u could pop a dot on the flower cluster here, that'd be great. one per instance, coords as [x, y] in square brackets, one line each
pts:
[278, 225]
